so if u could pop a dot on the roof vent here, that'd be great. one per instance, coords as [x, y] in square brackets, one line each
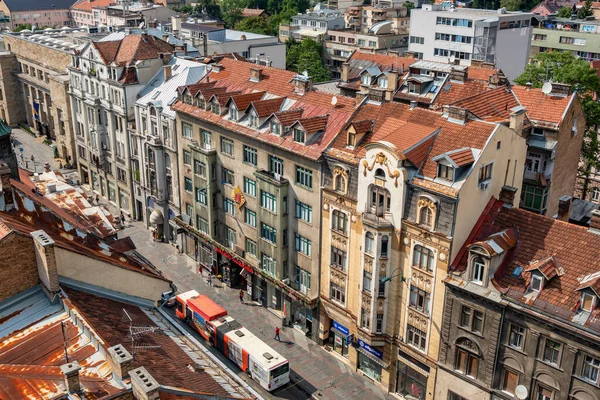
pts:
[268, 356]
[239, 333]
[517, 271]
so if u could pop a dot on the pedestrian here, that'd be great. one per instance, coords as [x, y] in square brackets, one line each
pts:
[97, 200]
[277, 334]
[122, 218]
[209, 280]
[32, 158]
[241, 296]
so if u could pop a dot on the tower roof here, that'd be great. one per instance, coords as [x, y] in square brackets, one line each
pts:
[4, 128]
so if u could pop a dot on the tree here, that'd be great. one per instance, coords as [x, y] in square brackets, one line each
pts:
[307, 56]
[254, 24]
[564, 12]
[209, 7]
[511, 5]
[409, 6]
[231, 11]
[586, 10]
[312, 63]
[186, 9]
[20, 27]
[564, 67]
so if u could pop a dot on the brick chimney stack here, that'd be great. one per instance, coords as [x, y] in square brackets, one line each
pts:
[564, 208]
[46, 262]
[120, 360]
[71, 373]
[145, 387]
[507, 195]
[595, 222]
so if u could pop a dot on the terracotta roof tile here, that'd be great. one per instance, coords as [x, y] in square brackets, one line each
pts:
[196, 87]
[87, 5]
[455, 91]
[480, 73]
[223, 98]
[493, 104]
[132, 48]
[314, 124]
[265, 108]
[253, 12]
[359, 61]
[541, 107]
[418, 154]
[242, 101]
[129, 76]
[362, 127]
[288, 117]
[462, 157]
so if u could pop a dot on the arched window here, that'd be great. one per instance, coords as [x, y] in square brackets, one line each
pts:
[423, 258]
[339, 221]
[384, 246]
[153, 111]
[369, 242]
[340, 183]
[168, 163]
[478, 270]
[379, 173]
[426, 217]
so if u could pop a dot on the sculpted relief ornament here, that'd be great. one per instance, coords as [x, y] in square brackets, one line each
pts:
[381, 159]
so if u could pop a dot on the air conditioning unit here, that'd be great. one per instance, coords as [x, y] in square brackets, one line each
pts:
[286, 281]
[485, 185]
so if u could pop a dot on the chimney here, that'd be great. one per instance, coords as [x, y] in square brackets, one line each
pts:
[528, 85]
[144, 386]
[165, 37]
[167, 72]
[476, 63]
[120, 360]
[165, 57]
[216, 67]
[46, 262]
[71, 373]
[458, 74]
[345, 71]
[302, 83]
[47, 167]
[6, 195]
[457, 115]
[255, 74]
[564, 208]
[517, 119]
[413, 104]
[507, 195]
[595, 222]
[560, 89]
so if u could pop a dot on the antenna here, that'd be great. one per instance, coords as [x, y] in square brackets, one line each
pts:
[547, 88]
[136, 332]
[334, 101]
[65, 333]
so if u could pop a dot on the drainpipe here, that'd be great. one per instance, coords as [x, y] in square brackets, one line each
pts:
[128, 153]
[498, 346]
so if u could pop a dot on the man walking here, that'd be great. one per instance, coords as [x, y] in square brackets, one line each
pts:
[277, 334]
[241, 296]
[209, 280]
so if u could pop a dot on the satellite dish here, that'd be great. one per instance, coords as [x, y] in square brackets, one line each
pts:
[521, 392]
[305, 73]
[452, 58]
[141, 25]
[334, 101]
[547, 88]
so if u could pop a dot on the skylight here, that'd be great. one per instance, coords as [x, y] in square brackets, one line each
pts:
[155, 95]
[172, 101]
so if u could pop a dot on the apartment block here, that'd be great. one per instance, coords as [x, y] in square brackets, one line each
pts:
[498, 37]
[48, 13]
[250, 161]
[106, 78]
[313, 24]
[581, 37]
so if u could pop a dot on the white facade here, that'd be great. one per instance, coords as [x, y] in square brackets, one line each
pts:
[498, 37]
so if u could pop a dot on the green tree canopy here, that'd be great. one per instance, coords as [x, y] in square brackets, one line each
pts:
[409, 6]
[586, 10]
[307, 56]
[231, 11]
[511, 5]
[564, 12]
[254, 24]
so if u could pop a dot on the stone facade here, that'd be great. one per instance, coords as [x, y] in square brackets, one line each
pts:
[18, 268]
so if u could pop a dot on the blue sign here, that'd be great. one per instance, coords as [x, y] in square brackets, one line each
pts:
[36, 111]
[341, 328]
[370, 350]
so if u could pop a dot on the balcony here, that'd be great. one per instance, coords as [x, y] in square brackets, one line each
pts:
[543, 178]
[271, 177]
[377, 218]
[205, 148]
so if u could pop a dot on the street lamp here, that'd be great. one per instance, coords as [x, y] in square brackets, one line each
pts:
[389, 278]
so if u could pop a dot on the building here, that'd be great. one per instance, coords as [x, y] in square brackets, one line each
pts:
[498, 37]
[255, 12]
[154, 147]
[581, 37]
[364, 17]
[314, 24]
[209, 40]
[41, 13]
[39, 86]
[250, 160]
[106, 78]
[342, 5]
[88, 13]
[521, 310]
[395, 181]
[550, 7]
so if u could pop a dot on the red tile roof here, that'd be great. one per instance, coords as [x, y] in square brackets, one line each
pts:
[480, 73]
[235, 75]
[492, 105]
[223, 98]
[129, 76]
[196, 87]
[87, 5]
[418, 154]
[568, 254]
[288, 117]
[314, 124]
[542, 108]
[242, 101]
[359, 61]
[253, 12]
[455, 91]
[462, 157]
[265, 108]
[362, 127]
[132, 48]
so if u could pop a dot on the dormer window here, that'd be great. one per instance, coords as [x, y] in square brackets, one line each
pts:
[587, 302]
[537, 282]
[299, 135]
[365, 80]
[233, 113]
[351, 139]
[201, 103]
[187, 99]
[215, 108]
[340, 183]
[478, 270]
[414, 88]
[253, 119]
[446, 172]
[275, 128]
[383, 82]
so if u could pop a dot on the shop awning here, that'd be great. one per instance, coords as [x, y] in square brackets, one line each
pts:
[156, 217]
[370, 356]
[235, 260]
[338, 331]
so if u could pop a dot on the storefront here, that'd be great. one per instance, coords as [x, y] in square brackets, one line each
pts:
[301, 317]
[230, 268]
[411, 377]
[340, 338]
[370, 361]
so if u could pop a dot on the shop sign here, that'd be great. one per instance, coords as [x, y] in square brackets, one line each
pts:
[274, 300]
[338, 340]
[238, 197]
[341, 328]
[370, 350]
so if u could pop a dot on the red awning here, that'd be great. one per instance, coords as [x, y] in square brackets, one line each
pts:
[235, 260]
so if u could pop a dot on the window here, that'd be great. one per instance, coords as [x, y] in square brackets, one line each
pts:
[303, 245]
[268, 232]
[339, 221]
[416, 337]
[425, 216]
[304, 177]
[417, 40]
[384, 247]
[121, 175]
[340, 183]
[275, 128]
[215, 108]
[207, 140]
[337, 294]
[189, 210]
[233, 113]
[188, 185]
[485, 172]
[379, 323]
[587, 302]
[478, 270]
[419, 299]
[423, 258]
[367, 278]
[201, 196]
[253, 120]
[186, 130]
[412, 384]
[596, 195]
[471, 319]
[365, 79]
[230, 237]
[187, 157]
[454, 396]
[544, 393]
[303, 211]
[250, 247]
[228, 176]
[275, 165]
[445, 172]
[250, 187]
[199, 168]
[365, 318]
[250, 155]
[510, 380]
[338, 258]
[369, 243]
[250, 217]
[534, 198]
[268, 264]
[466, 363]
[228, 206]
[382, 82]
[226, 146]
[516, 336]
[590, 369]
[539, 37]
[285, 237]
[268, 201]
[302, 280]
[552, 352]
[299, 135]
[536, 283]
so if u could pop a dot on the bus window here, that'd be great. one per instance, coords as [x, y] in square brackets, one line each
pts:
[180, 307]
[280, 370]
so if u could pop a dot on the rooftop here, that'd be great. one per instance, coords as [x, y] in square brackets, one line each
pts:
[132, 48]
[87, 5]
[33, 5]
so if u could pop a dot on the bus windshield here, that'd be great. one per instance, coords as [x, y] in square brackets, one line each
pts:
[282, 369]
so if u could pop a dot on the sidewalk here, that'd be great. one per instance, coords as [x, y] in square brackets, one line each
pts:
[313, 368]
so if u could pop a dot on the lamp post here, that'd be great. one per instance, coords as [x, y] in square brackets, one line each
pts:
[389, 278]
